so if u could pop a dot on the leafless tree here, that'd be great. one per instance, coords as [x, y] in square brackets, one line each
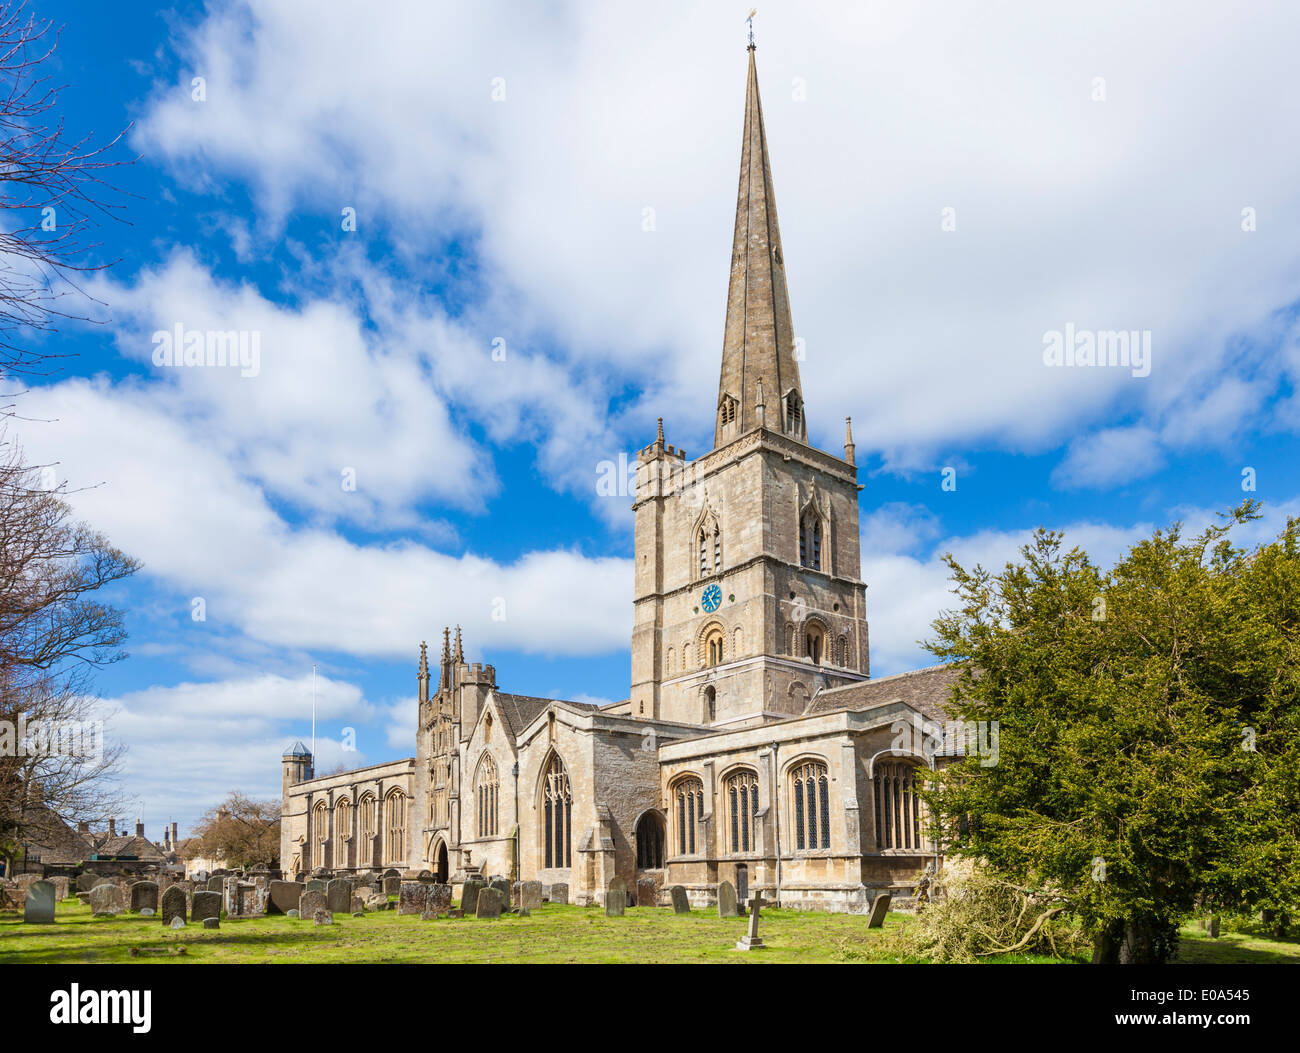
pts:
[52, 189]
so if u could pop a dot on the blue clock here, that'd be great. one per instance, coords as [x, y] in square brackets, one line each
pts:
[712, 599]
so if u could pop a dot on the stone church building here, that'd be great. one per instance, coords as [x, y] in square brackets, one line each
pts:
[754, 746]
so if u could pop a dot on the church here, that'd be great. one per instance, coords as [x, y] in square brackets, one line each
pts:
[754, 746]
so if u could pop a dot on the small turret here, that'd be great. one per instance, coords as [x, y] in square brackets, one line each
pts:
[424, 673]
[295, 767]
[849, 448]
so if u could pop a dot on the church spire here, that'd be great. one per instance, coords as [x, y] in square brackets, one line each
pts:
[758, 341]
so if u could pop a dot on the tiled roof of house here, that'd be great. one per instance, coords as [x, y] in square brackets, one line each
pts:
[925, 690]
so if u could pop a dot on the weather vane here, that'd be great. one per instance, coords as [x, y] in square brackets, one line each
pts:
[752, 12]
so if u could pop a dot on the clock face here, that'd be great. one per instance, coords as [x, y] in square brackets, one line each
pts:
[711, 599]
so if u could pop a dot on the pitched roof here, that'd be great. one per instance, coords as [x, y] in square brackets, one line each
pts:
[50, 839]
[925, 690]
[297, 750]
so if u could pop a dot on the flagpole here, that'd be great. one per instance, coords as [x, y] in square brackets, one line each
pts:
[313, 714]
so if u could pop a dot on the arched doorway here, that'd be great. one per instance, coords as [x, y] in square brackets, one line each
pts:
[440, 869]
[650, 835]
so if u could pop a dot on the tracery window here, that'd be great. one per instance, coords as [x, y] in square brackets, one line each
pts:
[558, 808]
[810, 798]
[810, 540]
[343, 819]
[742, 810]
[899, 809]
[321, 823]
[366, 817]
[485, 793]
[689, 794]
[793, 414]
[395, 826]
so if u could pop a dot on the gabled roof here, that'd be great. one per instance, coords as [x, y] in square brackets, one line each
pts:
[925, 690]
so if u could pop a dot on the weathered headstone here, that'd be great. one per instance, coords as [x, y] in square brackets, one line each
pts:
[60, 888]
[647, 892]
[107, 900]
[1212, 929]
[469, 896]
[681, 904]
[310, 903]
[879, 908]
[530, 895]
[206, 905]
[338, 896]
[376, 901]
[144, 895]
[426, 876]
[490, 902]
[86, 881]
[177, 923]
[316, 885]
[216, 884]
[173, 904]
[502, 886]
[727, 901]
[284, 896]
[392, 886]
[322, 917]
[412, 897]
[560, 892]
[751, 939]
[212, 923]
[616, 898]
[38, 904]
[438, 898]
[390, 872]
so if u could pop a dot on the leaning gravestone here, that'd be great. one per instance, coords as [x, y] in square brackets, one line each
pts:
[338, 896]
[560, 892]
[616, 898]
[206, 905]
[879, 908]
[86, 881]
[727, 901]
[412, 897]
[310, 903]
[469, 896]
[681, 904]
[38, 905]
[173, 904]
[502, 886]
[144, 896]
[107, 900]
[284, 896]
[530, 895]
[489, 904]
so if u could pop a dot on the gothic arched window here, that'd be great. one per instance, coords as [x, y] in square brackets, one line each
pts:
[742, 810]
[793, 414]
[343, 819]
[810, 797]
[395, 826]
[650, 842]
[320, 820]
[485, 797]
[557, 800]
[689, 794]
[810, 540]
[366, 818]
[899, 809]
[815, 643]
[842, 652]
[713, 647]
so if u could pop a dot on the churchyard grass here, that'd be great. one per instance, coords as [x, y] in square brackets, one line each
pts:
[559, 934]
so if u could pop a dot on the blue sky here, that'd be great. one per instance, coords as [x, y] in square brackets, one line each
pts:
[559, 180]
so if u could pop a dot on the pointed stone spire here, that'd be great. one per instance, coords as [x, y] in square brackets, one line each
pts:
[659, 439]
[848, 440]
[758, 341]
[446, 644]
[460, 655]
[423, 678]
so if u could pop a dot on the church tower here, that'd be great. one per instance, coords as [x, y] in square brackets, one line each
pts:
[748, 591]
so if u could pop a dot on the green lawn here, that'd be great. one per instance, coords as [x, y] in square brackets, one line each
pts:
[551, 934]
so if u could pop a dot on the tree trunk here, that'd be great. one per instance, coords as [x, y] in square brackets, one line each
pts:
[1139, 940]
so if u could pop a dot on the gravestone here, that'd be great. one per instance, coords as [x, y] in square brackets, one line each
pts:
[86, 881]
[338, 896]
[490, 902]
[411, 898]
[310, 903]
[647, 892]
[390, 872]
[530, 895]
[206, 905]
[426, 876]
[1213, 927]
[322, 917]
[212, 923]
[38, 904]
[469, 896]
[439, 898]
[144, 896]
[681, 905]
[173, 904]
[316, 885]
[751, 939]
[502, 886]
[376, 901]
[727, 901]
[216, 884]
[107, 900]
[616, 898]
[560, 892]
[879, 908]
[60, 888]
[177, 923]
[392, 886]
[742, 883]
[284, 896]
